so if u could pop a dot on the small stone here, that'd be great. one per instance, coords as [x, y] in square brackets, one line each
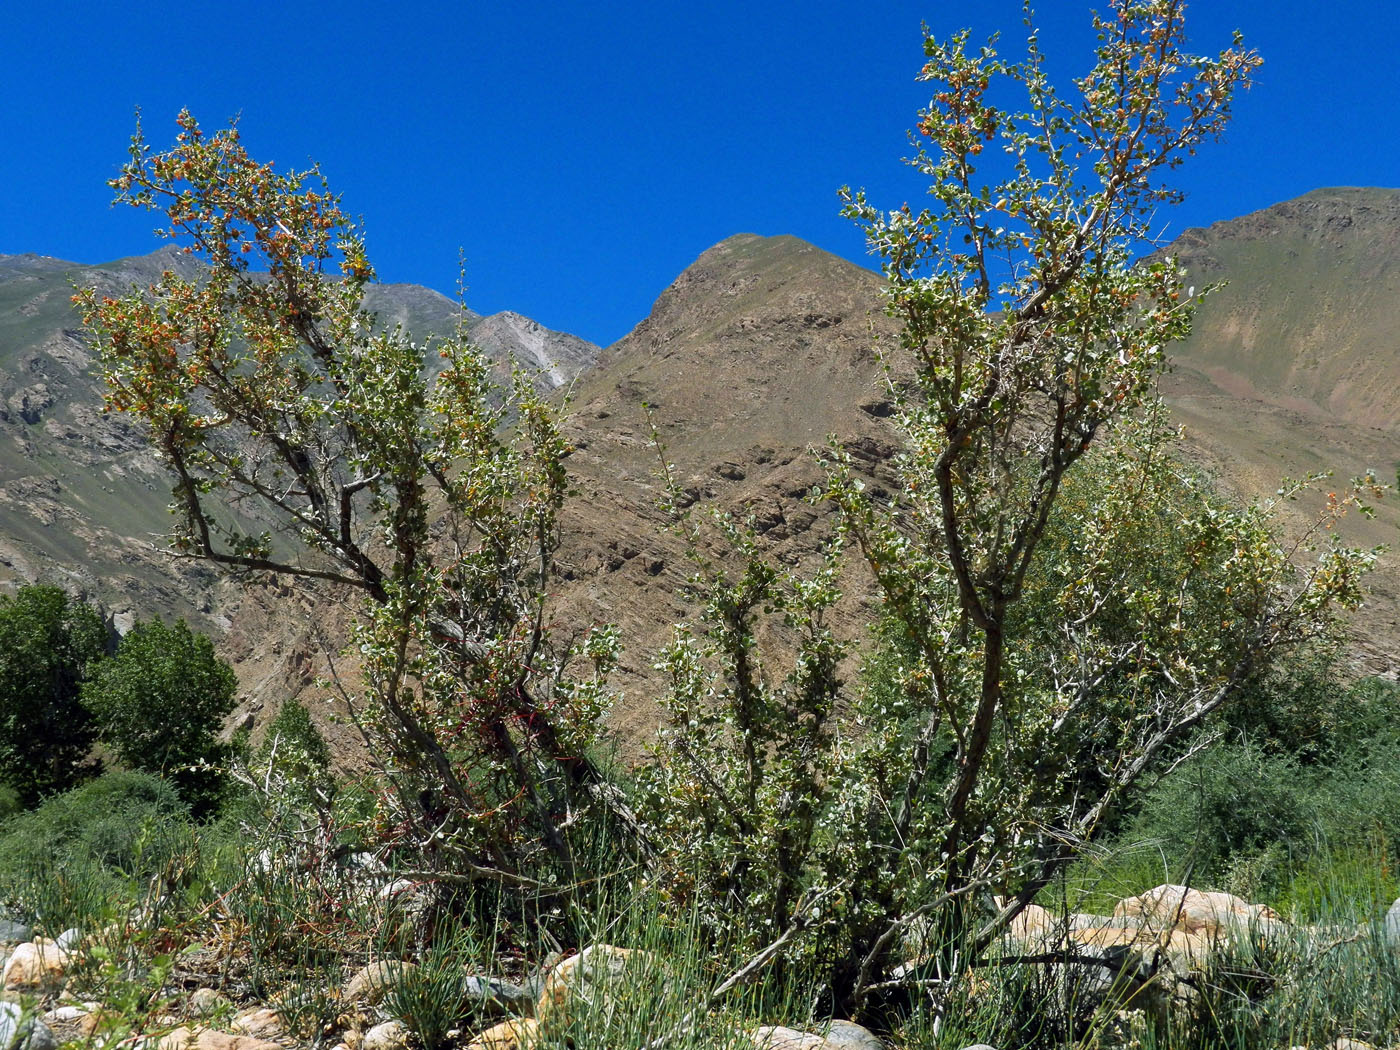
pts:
[847, 1035]
[364, 861]
[64, 1015]
[375, 981]
[778, 1037]
[13, 932]
[517, 1034]
[77, 1023]
[494, 998]
[184, 1038]
[391, 1035]
[18, 1032]
[1392, 925]
[261, 1022]
[69, 938]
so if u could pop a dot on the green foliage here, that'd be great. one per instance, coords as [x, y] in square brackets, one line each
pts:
[72, 857]
[293, 731]
[442, 992]
[48, 644]
[295, 755]
[742, 770]
[1302, 792]
[1308, 711]
[1068, 633]
[158, 703]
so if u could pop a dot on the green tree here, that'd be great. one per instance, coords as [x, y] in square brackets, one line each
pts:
[265, 383]
[295, 758]
[159, 702]
[48, 643]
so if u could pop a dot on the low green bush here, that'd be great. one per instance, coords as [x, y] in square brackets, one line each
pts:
[80, 855]
[1300, 795]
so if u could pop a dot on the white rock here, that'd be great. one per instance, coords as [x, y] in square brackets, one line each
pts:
[391, 1035]
[1392, 924]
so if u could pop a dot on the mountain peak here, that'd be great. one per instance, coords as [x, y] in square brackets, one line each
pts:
[748, 280]
[557, 357]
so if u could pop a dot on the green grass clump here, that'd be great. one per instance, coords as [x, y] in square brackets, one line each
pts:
[79, 855]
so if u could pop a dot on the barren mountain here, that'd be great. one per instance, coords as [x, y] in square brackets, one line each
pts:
[752, 357]
[1294, 364]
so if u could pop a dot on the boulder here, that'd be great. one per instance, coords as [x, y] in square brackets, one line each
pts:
[519, 1034]
[184, 1038]
[371, 984]
[595, 975]
[1196, 911]
[35, 966]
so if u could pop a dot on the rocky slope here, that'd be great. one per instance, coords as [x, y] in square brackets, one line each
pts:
[1294, 364]
[753, 356]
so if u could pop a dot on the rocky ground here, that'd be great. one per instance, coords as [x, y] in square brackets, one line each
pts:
[1153, 956]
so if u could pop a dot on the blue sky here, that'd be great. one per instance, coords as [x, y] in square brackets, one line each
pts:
[580, 155]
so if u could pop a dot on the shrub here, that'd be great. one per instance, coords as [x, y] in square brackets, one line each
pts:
[80, 853]
[294, 753]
